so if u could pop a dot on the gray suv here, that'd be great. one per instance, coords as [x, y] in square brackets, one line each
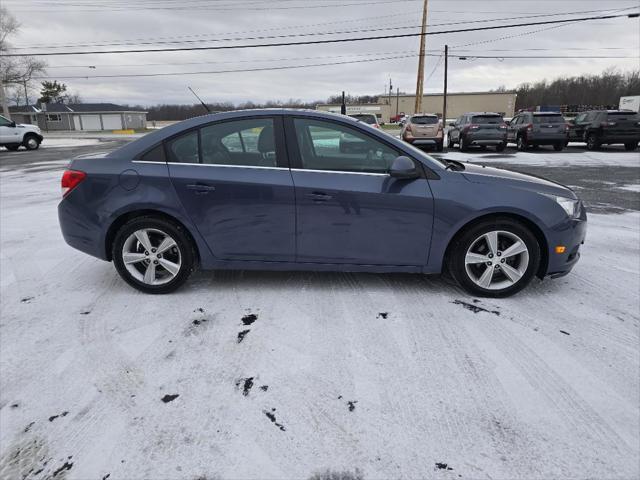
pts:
[528, 129]
[478, 129]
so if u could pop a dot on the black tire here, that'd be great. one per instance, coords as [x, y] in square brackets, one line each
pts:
[462, 242]
[450, 143]
[521, 143]
[500, 147]
[184, 245]
[12, 148]
[31, 142]
[439, 147]
[630, 146]
[592, 142]
[558, 147]
[462, 144]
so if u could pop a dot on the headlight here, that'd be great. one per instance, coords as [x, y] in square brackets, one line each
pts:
[569, 205]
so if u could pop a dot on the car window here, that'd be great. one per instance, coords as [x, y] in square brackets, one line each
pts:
[580, 117]
[424, 120]
[370, 119]
[184, 149]
[331, 146]
[4, 122]
[548, 118]
[156, 154]
[248, 142]
[492, 119]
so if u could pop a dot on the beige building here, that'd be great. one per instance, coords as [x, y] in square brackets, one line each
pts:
[457, 104]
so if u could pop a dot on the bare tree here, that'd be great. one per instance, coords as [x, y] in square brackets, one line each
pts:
[14, 70]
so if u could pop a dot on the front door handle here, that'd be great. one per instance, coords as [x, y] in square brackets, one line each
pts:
[200, 188]
[318, 196]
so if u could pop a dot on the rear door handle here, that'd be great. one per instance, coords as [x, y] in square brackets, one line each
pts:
[201, 188]
[319, 196]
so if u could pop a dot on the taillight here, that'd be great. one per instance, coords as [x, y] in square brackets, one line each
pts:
[70, 180]
[530, 127]
[408, 129]
[503, 126]
[608, 124]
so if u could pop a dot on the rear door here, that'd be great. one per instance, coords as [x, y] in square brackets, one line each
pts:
[349, 210]
[233, 180]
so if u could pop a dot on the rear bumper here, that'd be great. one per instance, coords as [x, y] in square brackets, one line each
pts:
[423, 141]
[570, 234]
[79, 231]
[487, 142]
[485, 138]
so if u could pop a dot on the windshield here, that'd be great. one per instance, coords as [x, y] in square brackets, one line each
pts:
[429, 160]
[370, 119]
[492, 119]
[424, 120]
[629, 116]
[548, 118]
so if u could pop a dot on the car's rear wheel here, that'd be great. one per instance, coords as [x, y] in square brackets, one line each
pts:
[462, 144]
[500, 147]
[630, 146]
[558, 147]
[153, 255]
[439, 146]
[592, 142]
[521, 143]
[495, 258]
[31, 142]
[450, 143]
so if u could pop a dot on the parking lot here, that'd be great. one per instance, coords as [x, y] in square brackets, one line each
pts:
[287, 375]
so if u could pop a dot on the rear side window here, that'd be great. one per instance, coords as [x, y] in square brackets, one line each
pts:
[248, 142]
[156, 154]
[184, 149]
[424, 120]
[370, 119]
[548, 119]
[487, 119]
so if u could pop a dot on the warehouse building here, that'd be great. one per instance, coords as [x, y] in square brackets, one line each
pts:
[80, 116]
[457, 104]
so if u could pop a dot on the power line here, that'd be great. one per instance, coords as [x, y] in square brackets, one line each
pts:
[318, 42]
[348, 62]
[173, 39]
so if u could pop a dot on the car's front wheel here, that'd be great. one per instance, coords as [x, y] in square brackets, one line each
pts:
[462, 144]
[558, 147]
[630, 146]
[31, 142]
[592, 142]
[521, 143]
[500, 147]
[153, 255]
[495, 258]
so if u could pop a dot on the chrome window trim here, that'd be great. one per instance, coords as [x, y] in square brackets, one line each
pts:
[255, 167]
[340, 171]
[148, 161]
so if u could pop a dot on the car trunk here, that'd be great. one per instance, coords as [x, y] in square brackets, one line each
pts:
[425, 126]
[548, 124]
[622, 124]
[488, 125]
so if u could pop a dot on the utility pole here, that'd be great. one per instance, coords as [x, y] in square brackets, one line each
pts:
[444, 102]
[343, 107]
[3, 101]
[420, 81]
[397, 102]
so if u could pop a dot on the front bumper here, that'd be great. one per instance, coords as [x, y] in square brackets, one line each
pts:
[571, 234]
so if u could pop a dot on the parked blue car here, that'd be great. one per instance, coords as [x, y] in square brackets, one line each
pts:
[303, 190]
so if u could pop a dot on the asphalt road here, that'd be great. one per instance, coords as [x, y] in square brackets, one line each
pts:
[598, 186]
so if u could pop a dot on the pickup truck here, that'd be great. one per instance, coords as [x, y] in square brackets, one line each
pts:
[15, 135]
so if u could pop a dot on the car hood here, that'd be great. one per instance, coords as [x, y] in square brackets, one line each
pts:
[491, 175]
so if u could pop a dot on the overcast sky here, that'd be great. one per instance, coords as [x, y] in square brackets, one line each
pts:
[145, 23]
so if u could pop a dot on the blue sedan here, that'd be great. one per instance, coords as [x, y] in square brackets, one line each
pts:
[303, 190]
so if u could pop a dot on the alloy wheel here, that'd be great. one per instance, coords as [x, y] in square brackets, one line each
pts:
[32, 143]
[496, 260]
[151, 256]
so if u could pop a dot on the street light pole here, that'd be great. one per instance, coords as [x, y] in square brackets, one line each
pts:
[446, 68]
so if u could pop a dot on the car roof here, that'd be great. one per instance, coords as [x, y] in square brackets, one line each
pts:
[547, 113]
[483, 113]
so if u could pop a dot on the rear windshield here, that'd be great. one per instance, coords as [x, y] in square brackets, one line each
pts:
[629, 116]
[370, 119]
[548, 119]
[487, 119]
[424, 120]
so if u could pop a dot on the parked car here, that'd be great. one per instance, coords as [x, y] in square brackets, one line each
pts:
[600, 127]
[367, 118]
[271, 190]
[15, 135]
[529, 129]
[478, 129]
[423, 130]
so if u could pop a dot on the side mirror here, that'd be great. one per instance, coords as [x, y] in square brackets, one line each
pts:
[403, 167]
[12, 125]
[507, 122]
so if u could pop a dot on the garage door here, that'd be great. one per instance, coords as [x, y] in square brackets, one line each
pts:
[91, 122]
[112, 122]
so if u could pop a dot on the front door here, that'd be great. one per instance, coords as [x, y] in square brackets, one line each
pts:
[8, 134]
[349, 210]
[234, 182]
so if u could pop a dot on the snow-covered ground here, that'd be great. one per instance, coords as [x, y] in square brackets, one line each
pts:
[282, 375]
[53, 142]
